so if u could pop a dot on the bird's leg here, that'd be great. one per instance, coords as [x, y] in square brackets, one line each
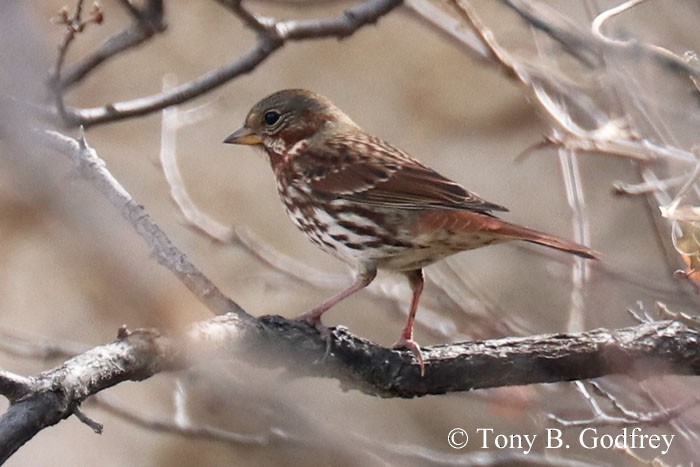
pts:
[415, 280]
[365, 276]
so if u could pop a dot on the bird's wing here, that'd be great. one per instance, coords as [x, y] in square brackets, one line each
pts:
[376, 173]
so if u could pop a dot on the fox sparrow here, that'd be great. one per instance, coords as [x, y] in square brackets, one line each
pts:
[369, 203]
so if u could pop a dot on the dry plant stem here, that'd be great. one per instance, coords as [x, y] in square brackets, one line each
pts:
[92, 168]
[450, 28]
[650, 186]
[627, 417]
[611, 138]
[271, 37]
[635, 48]
[599, 44]
[580, 270]
[678, 424]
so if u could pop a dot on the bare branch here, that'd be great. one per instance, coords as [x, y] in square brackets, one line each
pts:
[74, 24]
[552, 94]
[597, 45]
[450, 28]
[92, 168]
[94, 425]
[249, 18]
[270, 40]
[627, 417]
[633, 49]
[148, 21]
[645, 350]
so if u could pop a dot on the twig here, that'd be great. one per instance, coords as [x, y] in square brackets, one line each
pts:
[580, 270]
[258, 25]
[596, 45]
[94, 425]
[650, 186]
[148, 21]
[274, 36]
[633, 49]
[451, 28]
[74, 24]
[628, 417]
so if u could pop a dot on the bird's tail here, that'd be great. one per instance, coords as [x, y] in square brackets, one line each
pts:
[475, 225]
[519, 232]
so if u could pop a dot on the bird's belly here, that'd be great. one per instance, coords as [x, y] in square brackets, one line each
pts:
[430, 249]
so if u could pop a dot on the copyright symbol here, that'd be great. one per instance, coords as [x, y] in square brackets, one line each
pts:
[457, 438]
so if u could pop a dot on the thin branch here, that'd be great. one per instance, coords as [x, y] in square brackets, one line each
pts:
[148, 21]
[274, 37]
[650, 186]
[94, 425]
[610, 137]
[450, 28]
[258, 25]
[89, 165]
[580, 271]
[598, 45]
[74, 24]
[633, 48]
[627, 417]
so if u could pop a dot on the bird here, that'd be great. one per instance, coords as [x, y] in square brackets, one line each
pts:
[368, 203]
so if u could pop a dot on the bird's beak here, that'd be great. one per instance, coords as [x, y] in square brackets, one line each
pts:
[243, 135]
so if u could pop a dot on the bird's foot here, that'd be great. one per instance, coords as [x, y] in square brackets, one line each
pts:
[414, 348]
[312, 318]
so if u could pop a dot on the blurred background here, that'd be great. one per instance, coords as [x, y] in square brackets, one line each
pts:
[71, 270]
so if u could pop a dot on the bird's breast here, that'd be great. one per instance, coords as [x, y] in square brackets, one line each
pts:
[349, 231]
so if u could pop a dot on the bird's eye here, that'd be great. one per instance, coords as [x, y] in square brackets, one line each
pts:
[271, 117]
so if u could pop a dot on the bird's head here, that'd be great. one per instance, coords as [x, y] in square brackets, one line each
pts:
[283, 119]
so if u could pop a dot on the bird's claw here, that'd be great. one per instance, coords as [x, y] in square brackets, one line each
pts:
[414, 348]
[314, 320]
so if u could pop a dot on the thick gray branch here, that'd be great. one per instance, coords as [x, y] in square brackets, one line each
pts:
[665, 347]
